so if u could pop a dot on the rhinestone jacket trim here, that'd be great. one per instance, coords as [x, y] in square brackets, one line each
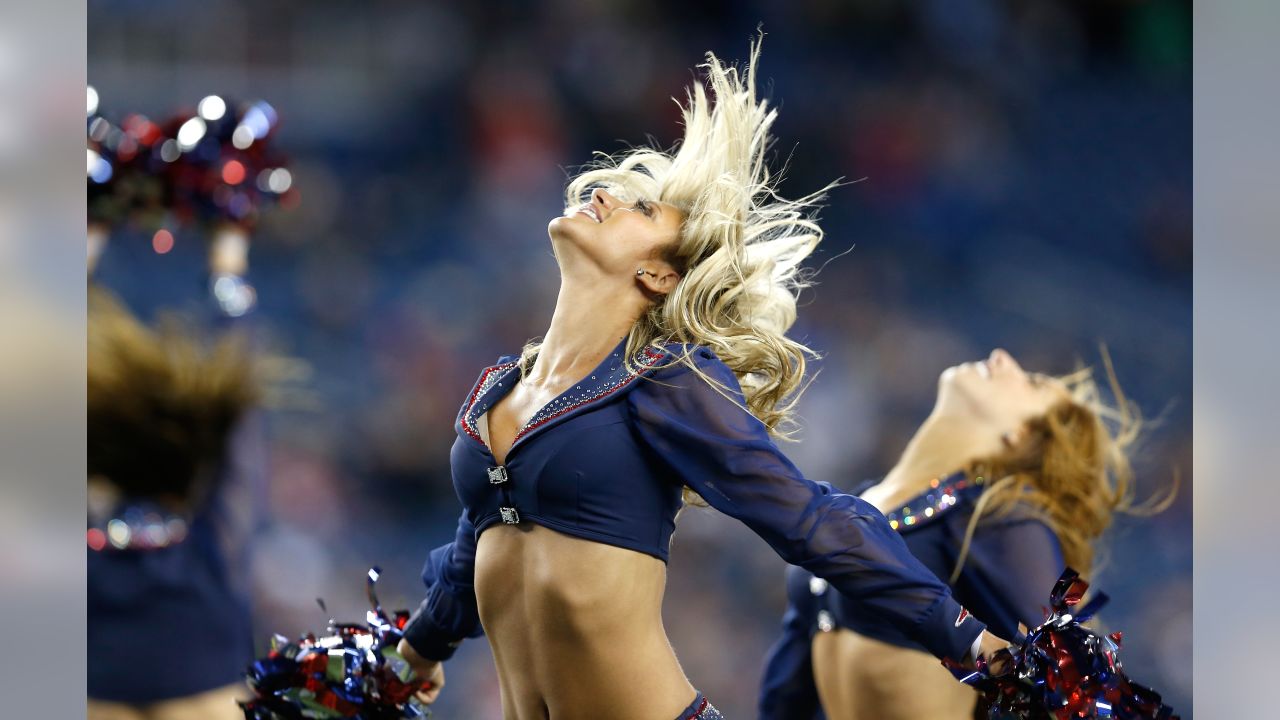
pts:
[559, 407]
[487, 381]
[942, 496]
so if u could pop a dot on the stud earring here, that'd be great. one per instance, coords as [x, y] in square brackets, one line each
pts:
[642, 271]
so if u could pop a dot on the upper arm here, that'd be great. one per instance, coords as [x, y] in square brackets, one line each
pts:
[453, 564]
[1015, 563]
[701, 431]
[449, 612]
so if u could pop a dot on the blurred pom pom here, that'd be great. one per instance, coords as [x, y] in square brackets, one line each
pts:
[193, 166]
[190, 170]
[355, 672]
[1062, 670]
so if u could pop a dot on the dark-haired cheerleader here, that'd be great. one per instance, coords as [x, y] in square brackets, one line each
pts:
[168, 620]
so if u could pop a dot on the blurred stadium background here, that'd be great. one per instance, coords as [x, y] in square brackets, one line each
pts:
[1024, 175]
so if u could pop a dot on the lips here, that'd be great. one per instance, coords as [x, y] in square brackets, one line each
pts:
[590, 210]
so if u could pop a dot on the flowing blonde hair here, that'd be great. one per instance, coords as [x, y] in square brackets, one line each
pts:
[740, 246]
[1072, 470]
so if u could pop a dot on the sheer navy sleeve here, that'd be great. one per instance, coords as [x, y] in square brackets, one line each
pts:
[788, 690]
[710, 443]
[1011, 566]
[449, 613]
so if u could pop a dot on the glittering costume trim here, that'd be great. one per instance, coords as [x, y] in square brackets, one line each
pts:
[943, 495]
[701, 709]
[141, 526]
[486, 383]
[564, 404]
[617, 378]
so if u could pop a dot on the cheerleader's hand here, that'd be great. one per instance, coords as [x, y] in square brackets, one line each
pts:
[431, 671]
[990, 649]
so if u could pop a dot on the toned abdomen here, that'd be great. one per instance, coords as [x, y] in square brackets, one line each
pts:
[576, 627]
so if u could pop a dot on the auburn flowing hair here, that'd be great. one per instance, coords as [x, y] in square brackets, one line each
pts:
[740, 246]
[1072, 470]
[161, 403]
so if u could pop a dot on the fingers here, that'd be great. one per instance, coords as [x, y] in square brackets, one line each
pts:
[429, 671]
[434, 676]
[429, 695]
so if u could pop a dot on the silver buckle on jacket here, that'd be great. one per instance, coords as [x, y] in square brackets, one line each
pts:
[817, 585]
[509, 515]
[826, 623]
[497, 474]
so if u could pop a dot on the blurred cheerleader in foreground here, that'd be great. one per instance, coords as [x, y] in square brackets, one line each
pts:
[1013, 475]
[168, 622]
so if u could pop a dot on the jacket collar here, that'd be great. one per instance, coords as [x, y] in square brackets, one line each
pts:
[607, 379]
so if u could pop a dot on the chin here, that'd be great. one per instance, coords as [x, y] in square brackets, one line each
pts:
[959, 389]
[559, 232]
[562, 226]
[573, 233]
[954, 379]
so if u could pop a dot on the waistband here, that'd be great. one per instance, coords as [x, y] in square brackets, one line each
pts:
[700, 709]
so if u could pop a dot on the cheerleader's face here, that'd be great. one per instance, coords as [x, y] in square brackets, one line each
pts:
[617, 238]
[996, 393]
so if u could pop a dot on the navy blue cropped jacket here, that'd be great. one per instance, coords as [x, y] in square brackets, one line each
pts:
[607, 460]
[1012, 564]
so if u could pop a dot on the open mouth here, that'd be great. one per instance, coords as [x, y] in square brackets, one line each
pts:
[590, 211]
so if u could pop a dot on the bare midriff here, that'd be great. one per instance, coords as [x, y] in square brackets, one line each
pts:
[576, 627]
[216, 704]
[859, 678]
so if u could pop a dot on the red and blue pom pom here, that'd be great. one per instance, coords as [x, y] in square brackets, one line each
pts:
[355, 672]
[1063, 670]
[213, 169]
[215, 165]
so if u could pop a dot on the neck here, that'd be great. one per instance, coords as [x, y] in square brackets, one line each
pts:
[590, 320]
[942, 446]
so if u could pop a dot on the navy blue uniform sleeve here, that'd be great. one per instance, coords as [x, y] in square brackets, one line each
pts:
[1011, 567]
[788, 690]
[710, 443]
[449, 613]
